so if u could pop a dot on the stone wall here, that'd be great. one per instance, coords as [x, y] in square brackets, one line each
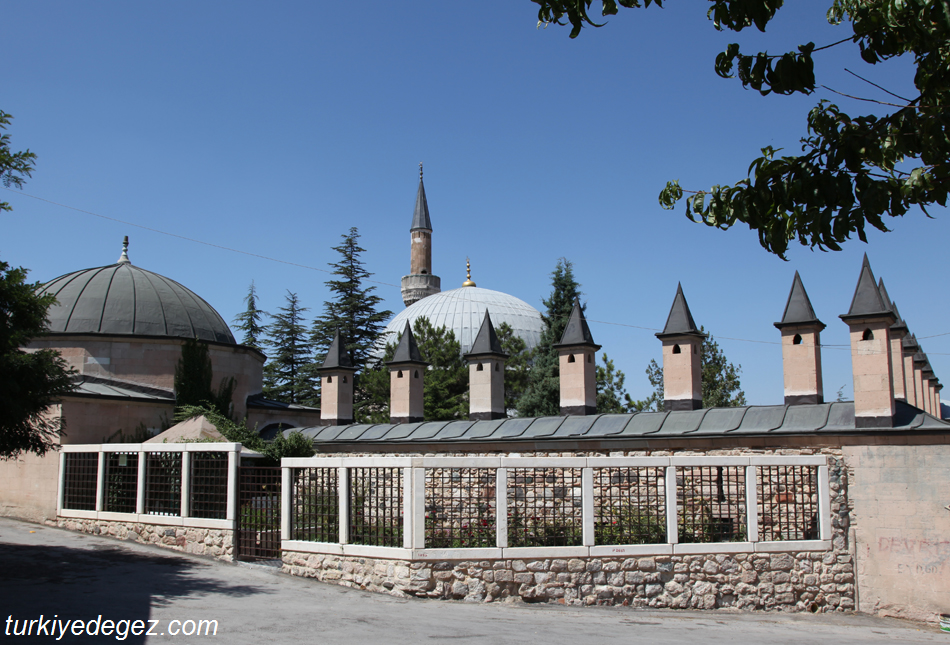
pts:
[816, 582]
[217, 543]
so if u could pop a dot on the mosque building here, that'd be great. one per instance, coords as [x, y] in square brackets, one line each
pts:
[461, 310]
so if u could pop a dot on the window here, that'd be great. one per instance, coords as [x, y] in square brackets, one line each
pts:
[868, 335]
[797, 340]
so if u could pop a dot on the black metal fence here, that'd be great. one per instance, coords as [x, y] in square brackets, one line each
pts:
[80, 480]
[460, 508]
[258, 521]
[629, 505]
[375, 506]
[712, 503]
[163, 483]
[545, 507]
[788, 503]
[209, 485]
[121, 482]
[315, 504]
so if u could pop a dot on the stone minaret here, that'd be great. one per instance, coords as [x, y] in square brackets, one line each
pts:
[576, 352]
[406, 371]
[682, 358]
[897, 333]
[420, 282]
[336, 385]
[801, 348]
[869, 321]
[486, 375]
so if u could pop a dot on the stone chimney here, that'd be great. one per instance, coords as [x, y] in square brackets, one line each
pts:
[576, 352]
[486, 375]
[336, 385]
[920, 360]
[801, 348]
[682, 358]
[869, 321]
[406, 372]
[909, 347]
[939, 413]
[897, 333]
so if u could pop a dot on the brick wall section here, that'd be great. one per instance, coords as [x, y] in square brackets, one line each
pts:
[217, 543]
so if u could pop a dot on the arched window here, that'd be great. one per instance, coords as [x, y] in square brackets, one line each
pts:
[868, 334]
[399, 374]
[797, 340]
[479, 368]
[676, 349]
[497, 367]
[590, 357]
[344, 379]
[415, 374]
[570, 358]
[329, 379]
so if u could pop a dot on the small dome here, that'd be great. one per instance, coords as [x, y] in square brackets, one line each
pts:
[462, 311]
[122, 299]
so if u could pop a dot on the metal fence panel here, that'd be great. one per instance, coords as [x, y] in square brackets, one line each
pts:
[121, 482]
[629, 505]
[787, 503]
[163, 483]
[460, 508]
[80, 480]
[258, 513]
[315, 504]
[545, 507]
[711, 503]
[375, 506]
[209, 485]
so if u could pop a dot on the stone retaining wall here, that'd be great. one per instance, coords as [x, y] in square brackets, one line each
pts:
[817, 582]
[217, 543]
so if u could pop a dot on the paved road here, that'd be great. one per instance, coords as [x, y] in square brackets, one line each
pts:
[72, 576]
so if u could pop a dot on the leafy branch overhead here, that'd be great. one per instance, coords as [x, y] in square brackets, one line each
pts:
[853, 170]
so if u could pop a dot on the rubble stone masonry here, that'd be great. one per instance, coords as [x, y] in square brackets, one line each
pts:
[217, 543]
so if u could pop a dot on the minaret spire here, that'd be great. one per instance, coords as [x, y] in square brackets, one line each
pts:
[420, 282]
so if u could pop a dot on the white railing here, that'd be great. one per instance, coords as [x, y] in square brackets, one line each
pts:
[315, 517]
[177, 489]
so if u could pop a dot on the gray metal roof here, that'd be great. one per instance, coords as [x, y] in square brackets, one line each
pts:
[122, 299]
[258, 401]
[420, 215]
[774, 420]
[486, 341]
[680, 321]
[94, 386]
[798, 309]
[867, 301]
[577, 332]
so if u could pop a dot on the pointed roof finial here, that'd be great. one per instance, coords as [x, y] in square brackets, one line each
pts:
[124, 258]
[468, 271]
[867, 301]
[577, 332]
[486, 341]
[798, 309]
[420, 170]
[680, 321]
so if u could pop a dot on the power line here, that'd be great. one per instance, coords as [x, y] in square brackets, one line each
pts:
[387, 284]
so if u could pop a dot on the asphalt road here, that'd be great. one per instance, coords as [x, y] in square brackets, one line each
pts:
[69, 576]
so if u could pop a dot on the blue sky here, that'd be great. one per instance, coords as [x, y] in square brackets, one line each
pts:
[274, 128]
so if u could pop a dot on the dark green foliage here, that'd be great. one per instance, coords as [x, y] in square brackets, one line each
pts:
[529, 530]
[721, 386]
[250, 320]
[854, 170]
[193, 377]
[352, 312]
[30, 382]
[445, 380]
[295, 445]
[612, 397]
[542, 396]
[14, 166]
[286, 374]
[631, 524]
[517, 365]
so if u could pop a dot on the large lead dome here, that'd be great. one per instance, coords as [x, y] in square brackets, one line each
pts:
[462, 311]
[122, 299]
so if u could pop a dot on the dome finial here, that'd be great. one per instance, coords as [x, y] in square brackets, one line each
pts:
[468, 270]
[124, 258]
[420, 170]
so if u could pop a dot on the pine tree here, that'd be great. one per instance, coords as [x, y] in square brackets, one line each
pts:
[517, 365]
[352, 311]
[612, 397]
[542, 396]
[286, 377]
[250, 321]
